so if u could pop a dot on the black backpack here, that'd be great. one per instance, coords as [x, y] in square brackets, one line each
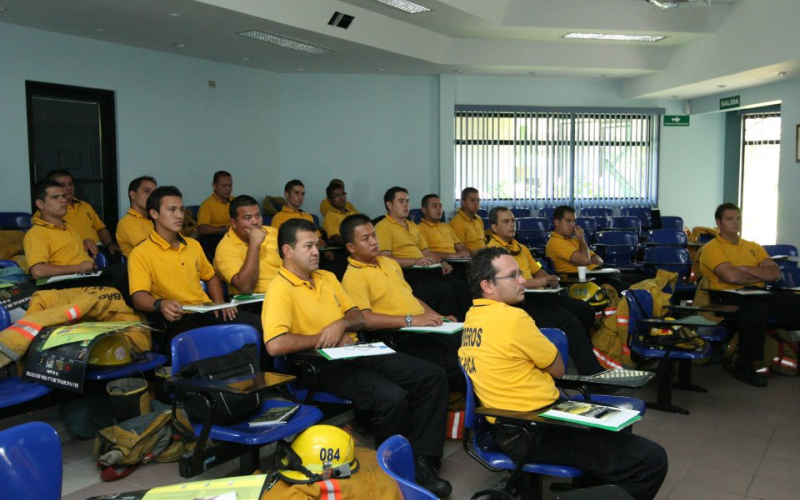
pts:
[230, 407]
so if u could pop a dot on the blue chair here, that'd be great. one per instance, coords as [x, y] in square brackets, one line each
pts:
[8, 263]
[13, 390]
[597, 212]
[643, 213]
[627, 223]
[547, 265]
[396, 458]
[671, 222]
[547, 212]
[618, 248]
[601, 221]
[100, 260]
[211, 341]
[782, 249]
[533, 232]
[589, 226]
[672, 259]
[640, 306]
[483, 214]
[316, 219]
[415, 215]
[15, 220]
[667, 237]
[705, 238]
[486, 225]
[300, 391]
[149, 361]
[30, 462]
[194, 209]
[790, 277]
[521, 212]
[5, 318]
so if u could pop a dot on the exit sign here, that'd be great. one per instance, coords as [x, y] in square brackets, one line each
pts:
[676, 120]
[729, 102]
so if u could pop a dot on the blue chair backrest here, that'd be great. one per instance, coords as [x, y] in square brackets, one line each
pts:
[396, 458]
[674, 259]
[705, 237]
[100, 260]
[538, 224]
[642, 213]
[5, 318]
[589, 226]
[781, 249]
[790, 277]
[486, 224]
[601, 221]
[316, 219]
[547, 212]
[30, 462]
[521, 212]
[483, 214]
[559, 339]
[671, 222]
[617, 238]
[8, 263]
[193, 209]
[415, 214]
[672, 237]
[15, 220]
[640, 306]
[626, 222]
[597, 212]
[547, 265]
[210, 341]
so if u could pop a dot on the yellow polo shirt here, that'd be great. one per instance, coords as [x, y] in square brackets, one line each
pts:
[440, 236]
[333, 220]
[559, 249]
[232, 251]
[719, 251]
[505, 355]
[527, 264]
[380, 287]
[214, 212]
[294, 306]
[404, 242]
[83, 219]
[154, 266]
[325, 206]
[287, 213]
[47, 243]
[469, 230]
[132, 230]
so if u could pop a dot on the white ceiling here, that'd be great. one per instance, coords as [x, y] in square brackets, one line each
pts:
[470, 37]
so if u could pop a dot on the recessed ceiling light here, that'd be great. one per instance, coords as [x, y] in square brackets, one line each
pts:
[381, 70]
[674, 96]
[603, 75]
[301, 69]
[100, 30]
[782, 73]
[282, 41]
[405, 6]
[174, 14]
[179, 45]
[2, 9]
[245, 59]
[613, 37]
[458, 71]
[533, 73]
[721, 86]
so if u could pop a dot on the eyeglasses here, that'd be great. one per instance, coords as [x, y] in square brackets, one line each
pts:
[361, 346]
[338, 195]
[513, 276]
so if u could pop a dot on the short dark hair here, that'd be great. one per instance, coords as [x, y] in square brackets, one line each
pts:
[154, 200]
[725, 206]
[560, 211]
[481, 268]
[468, 191]
[337, 181]
[331, 188]
[221, 173]
[427, 197]
[240, 201]
[137, 182]
[391, 193]
[292, 183]
[287, 234]
[55, 174]
[493, 214]
[40, 188]
[349, 225]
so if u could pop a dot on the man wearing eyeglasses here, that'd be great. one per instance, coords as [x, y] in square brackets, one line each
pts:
[512, 367]
[550, 310]
[306, 308]
[338, 210]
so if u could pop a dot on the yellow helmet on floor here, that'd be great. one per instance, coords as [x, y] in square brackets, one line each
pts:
[318, 453]
[113, 351]
[588, 292]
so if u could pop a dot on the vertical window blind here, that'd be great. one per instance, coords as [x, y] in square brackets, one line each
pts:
[759, 176]
[534, 158]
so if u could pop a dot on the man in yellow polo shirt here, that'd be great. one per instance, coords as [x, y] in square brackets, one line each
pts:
[52, 246]
[440, 236]
[247, 257]
[466, 223]
[325, 204]
[166, 269]
[512, 367]
[376, 285]
[549, 310]
[729, 262]
[400, 239]
[306, 308]
[294, 192]
[338, 209]
[80, 214]
[213, 216]
[136, 226]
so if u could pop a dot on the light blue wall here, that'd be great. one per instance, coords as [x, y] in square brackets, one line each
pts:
[169, 123]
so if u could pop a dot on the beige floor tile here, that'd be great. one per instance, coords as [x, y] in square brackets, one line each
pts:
[780, 469]
[696, 490]
[718, 478]
[773, 489]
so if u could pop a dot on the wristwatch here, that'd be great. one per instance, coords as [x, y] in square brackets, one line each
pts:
[408, 319]
[157, 305]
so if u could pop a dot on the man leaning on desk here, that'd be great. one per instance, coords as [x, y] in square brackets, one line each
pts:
[512, 366]
[729, 263]
[306, 308]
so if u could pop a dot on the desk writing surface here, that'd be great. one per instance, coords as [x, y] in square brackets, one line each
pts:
[532, 417]
[687, 321]
[609, 378]
[718, 308]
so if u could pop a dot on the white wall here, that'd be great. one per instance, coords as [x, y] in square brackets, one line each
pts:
[169, 123]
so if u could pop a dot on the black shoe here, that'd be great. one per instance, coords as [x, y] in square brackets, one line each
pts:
[748, 375]
[426, 477]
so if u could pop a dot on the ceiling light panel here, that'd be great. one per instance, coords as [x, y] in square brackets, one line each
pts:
[613, 37]
[405, 6]
[282, 41]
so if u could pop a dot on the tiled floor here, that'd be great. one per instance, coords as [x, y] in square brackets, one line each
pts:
[739, 442]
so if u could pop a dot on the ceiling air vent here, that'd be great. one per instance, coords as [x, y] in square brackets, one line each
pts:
[341, 20]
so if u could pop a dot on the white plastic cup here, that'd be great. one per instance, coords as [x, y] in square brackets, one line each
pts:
[582, 274]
